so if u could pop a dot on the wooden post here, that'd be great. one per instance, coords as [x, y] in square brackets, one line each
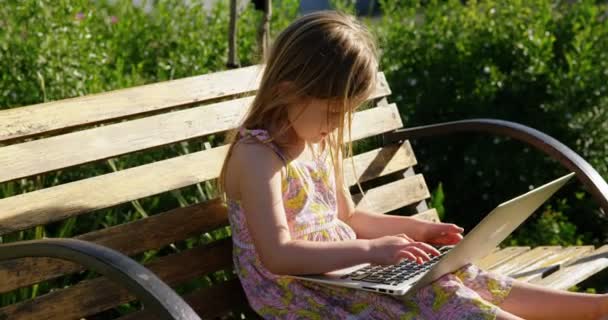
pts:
[232, 56]
[264, 31]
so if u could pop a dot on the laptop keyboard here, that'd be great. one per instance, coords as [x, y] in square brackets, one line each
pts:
[395, 274]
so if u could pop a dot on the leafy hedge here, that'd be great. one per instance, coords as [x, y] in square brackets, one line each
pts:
[541, 63]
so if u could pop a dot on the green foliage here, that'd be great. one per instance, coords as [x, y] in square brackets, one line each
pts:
[51, 50]
[540, 63]
[437, 200]
[551, 228]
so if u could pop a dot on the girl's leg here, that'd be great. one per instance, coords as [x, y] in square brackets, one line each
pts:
[504, 315]
[531, 301]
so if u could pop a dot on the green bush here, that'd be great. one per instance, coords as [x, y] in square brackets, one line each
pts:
[51, 50]
[540, 63]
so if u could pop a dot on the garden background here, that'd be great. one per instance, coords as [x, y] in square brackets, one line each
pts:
[541, 63]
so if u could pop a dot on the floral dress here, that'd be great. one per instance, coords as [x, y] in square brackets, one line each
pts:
[310, 205]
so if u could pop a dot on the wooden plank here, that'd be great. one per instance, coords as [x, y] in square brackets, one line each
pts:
[207, 303]
[19, 123]
[131, 238]
[393, 195]
[428, 215]
[379, 162]
[499, 257]
[56, 203]
[525, 259]
[537, 269]
[96, 295]
[23, 160]
[51, 116]
[576, 271]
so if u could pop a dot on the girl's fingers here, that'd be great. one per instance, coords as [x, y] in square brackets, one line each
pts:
[452, 238]
[407, 255]
[418, 252]
[450, 228]
[426, 248]
[405, 236]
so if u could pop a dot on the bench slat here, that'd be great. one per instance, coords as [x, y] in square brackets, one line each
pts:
[63, 151]
[576, 271]
[70, 199]
[96, 295]
[40, 207]
[59, 115]
[428, 215]
[536, 270]
[499, 257]
[393, 195]
[48, 117]
[525, 259]
[379, 162]
[130, 238]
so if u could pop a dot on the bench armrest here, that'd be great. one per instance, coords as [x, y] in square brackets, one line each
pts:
[590, 178]
[149, 289]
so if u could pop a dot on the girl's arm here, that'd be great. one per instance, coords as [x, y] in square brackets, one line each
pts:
[259, 179]
[369, 225]
[258, 173]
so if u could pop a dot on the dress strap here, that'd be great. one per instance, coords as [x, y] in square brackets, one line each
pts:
[263, 136]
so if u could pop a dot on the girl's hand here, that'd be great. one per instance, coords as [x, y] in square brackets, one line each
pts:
[443, 234]
[390, 250]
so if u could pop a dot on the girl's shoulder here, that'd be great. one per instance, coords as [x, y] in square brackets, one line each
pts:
[250, 162]
[252, 153]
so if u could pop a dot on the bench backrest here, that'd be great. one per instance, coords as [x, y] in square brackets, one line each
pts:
[169, 126]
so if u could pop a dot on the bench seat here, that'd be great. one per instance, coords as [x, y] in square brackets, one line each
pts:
[171, 129]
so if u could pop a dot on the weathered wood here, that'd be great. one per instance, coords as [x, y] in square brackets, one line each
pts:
[232, 31]
[85, 146]
[525, 259]
[576, 271]
[379, 162]
[393, 195]
[112, 105]
[50, 117]
[42, 206]
[208, 303]
[429, 215]
[96, 295]
[499, 257]
[130, 238]
[264, 29]
[538, 269]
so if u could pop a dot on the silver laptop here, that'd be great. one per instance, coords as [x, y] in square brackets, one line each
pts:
[407, 277]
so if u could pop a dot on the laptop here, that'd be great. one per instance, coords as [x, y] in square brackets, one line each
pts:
[406, 277]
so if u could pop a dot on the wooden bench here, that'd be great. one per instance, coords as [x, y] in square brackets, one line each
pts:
[42, 139]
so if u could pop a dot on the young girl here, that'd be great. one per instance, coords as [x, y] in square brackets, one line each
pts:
[291, 213]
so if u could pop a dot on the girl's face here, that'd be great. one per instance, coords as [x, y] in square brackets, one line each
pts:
[314, 119]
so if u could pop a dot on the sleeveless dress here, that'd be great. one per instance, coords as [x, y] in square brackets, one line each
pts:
[311, 208]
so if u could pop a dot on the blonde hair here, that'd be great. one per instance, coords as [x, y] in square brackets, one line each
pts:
[323, 55]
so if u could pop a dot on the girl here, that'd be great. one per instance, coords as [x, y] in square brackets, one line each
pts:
[291, 213]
